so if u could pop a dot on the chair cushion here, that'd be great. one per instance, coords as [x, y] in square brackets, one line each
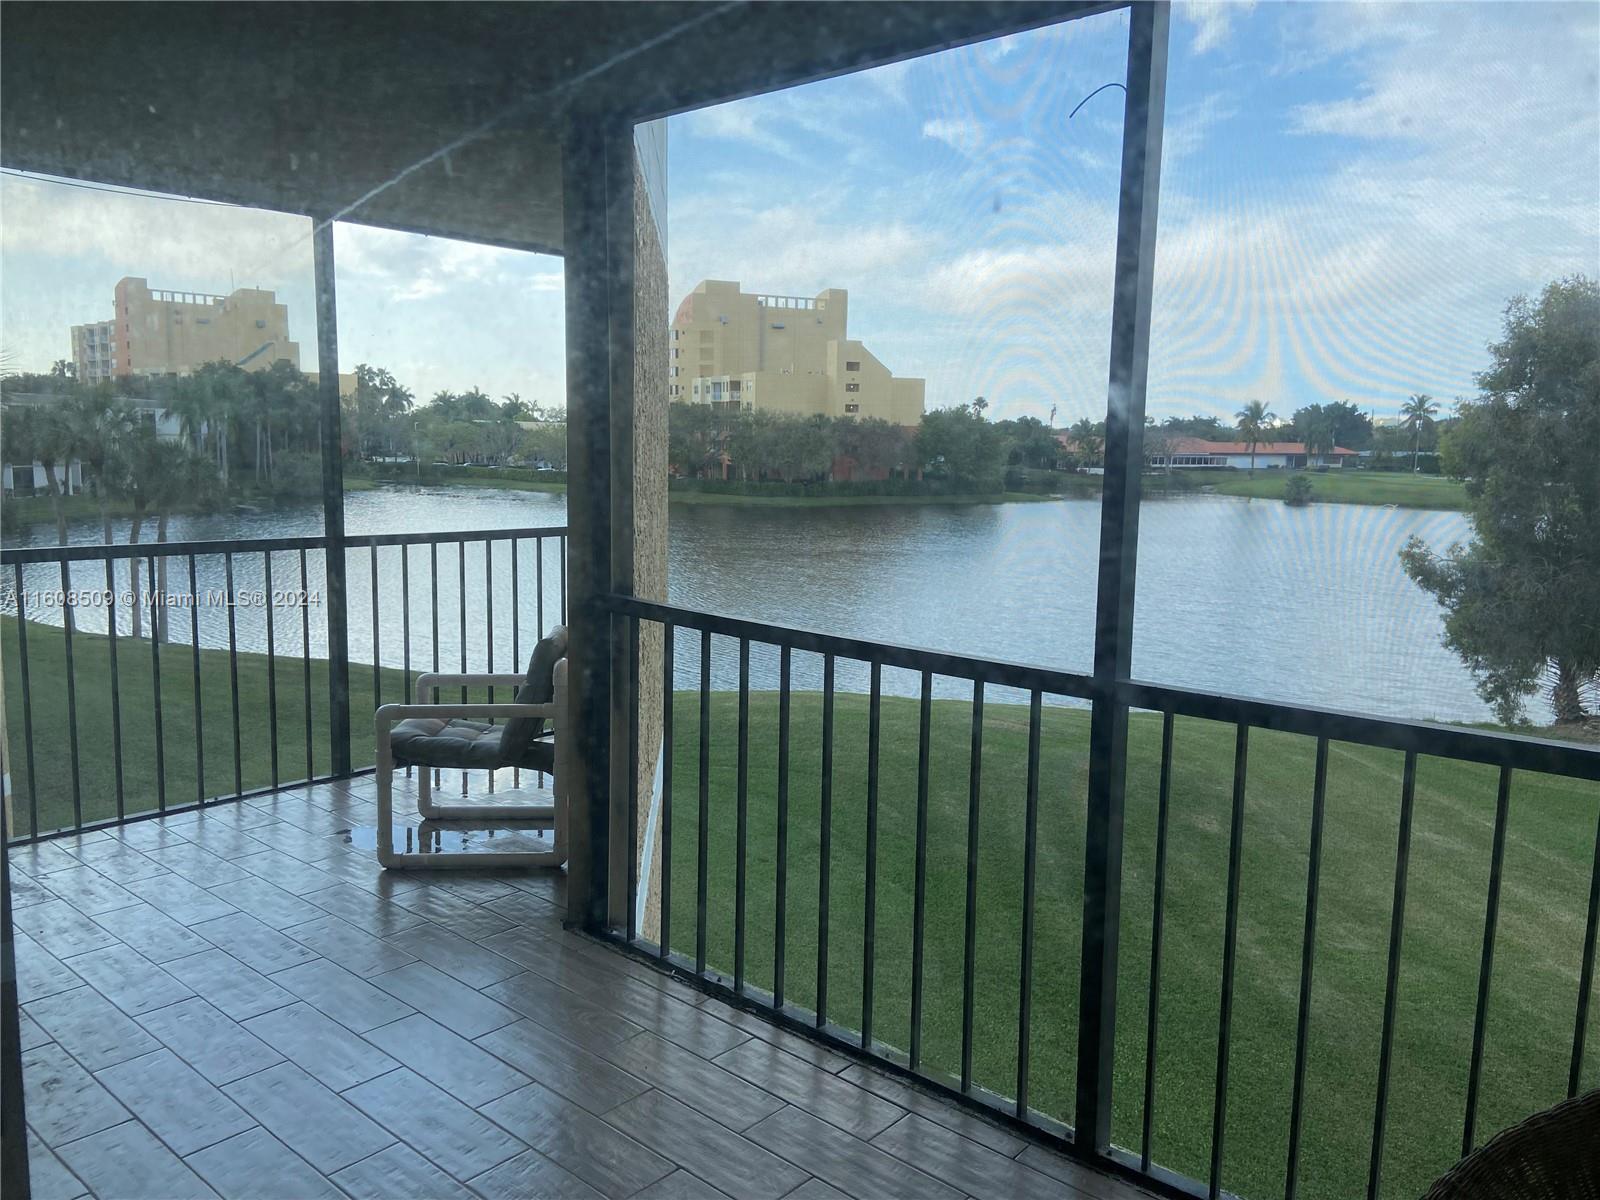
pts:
[464, 744]
[538, 688]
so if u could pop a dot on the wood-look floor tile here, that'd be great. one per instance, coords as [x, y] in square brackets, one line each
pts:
[228, 984]
[849, 1164]
[452, 1136]
[347, 998]
[127, 1163]
[256, 945]
[532, 1174]
[455, 955]
[400, 1171]
[128, 979]
[320, 1127]
[714, 1153]
[701, 1085]
[605, 1158]
[211, 1042]
[321, 1046]
[936, 1110]
[152, 933]
[254, 1165]
[819, 1092]
[173, 1101]
[563, 1067]
[446, 1059]
[352, 948]
[90, 1028]
[185, 902]
[64, 1102]
[449, 1001]
[61, 929]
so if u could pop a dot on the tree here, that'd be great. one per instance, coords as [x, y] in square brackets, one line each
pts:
[960, 445]
[1090, 438]
[1316, 428]
[1254, 422]
[1418, 413]
[1520, 598]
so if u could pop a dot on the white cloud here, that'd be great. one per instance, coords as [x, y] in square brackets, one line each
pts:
[1213, 20]
[963, 136]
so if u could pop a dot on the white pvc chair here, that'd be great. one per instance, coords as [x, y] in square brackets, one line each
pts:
[430, 735]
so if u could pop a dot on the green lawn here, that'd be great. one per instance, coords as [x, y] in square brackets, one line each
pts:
[1342, 487]
[97, 763]
[1548, 856]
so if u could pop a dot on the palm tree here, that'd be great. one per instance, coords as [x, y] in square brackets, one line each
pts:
[978, 407]
[192, 407]
[1087, 436]
[1418, 413]
[99, 425]
[1254, 422]
[1317, 434]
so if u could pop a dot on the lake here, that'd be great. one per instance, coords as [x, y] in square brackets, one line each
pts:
[1250, 597]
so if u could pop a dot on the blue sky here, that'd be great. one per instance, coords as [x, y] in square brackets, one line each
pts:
[1350, 195]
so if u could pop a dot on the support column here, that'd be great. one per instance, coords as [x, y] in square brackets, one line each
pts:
[591, 297]
[1119, 542]
[331, 430]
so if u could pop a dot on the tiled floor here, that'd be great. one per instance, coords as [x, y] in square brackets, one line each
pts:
[240, 1003]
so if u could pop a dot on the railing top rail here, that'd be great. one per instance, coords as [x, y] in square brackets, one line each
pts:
[1426, 738]
[99, 552]
[916, 658]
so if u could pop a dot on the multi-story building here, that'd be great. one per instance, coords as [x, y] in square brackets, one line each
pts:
[785, 354]
[153, 332]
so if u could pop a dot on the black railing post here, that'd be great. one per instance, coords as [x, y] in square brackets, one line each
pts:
[332, 437]
[1119, 535]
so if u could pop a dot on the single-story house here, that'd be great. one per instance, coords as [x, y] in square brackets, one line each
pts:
[1200, 453]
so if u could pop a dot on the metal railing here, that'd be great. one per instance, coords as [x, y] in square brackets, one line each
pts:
[178, 621]
[657, 820]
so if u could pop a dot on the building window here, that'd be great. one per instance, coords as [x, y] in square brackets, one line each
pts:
[852, 366]
[777, 324]
[733, 387]
[851, 408]
[852, 387]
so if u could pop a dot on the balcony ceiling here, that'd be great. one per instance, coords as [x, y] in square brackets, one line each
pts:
[311, 108]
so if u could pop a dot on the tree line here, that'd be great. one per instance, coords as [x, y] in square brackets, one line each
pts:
[243, 435]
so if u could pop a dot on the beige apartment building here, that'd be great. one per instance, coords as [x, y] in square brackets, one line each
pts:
[154, 332]
[787, 354]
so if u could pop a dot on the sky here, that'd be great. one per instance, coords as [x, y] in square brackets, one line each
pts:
[1350, 195]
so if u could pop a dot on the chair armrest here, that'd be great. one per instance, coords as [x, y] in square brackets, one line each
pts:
[433, 680]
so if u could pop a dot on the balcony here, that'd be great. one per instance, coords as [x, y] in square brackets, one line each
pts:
[238, 998]
[840, 915]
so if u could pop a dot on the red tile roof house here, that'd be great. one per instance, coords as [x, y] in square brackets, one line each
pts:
[1197, 452]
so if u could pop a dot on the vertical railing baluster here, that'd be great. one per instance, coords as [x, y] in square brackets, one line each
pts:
[272, 665]
[305, 663]
[116, 689]
[741, 817]
[377, 631]
[461, 598]
[538, 589]
[233, 677]
[1586, 972]
[1391, 988]
[970, 960]
[634, 674]
[405, 622]
[780, 914]
[869, 939]
[27, 702]
[667, 637]
[1024, 1015]
[194, 670]
[1030, 861]
[1491, 919]
[488, 600]
[67, 623]
[1157, 924]
[1230, 950]
[919, 894]
[825, 840]
[563, 565]
[516, 617]
[704, 832]
[155, 678]
[1308, 948]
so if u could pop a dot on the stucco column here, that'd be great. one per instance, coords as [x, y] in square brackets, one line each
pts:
[650, 313]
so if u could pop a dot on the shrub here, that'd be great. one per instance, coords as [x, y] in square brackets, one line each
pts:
[1297, 491]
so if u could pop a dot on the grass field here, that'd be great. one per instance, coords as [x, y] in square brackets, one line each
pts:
[1547, 865]
[1342, 487]
[1548, 859]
